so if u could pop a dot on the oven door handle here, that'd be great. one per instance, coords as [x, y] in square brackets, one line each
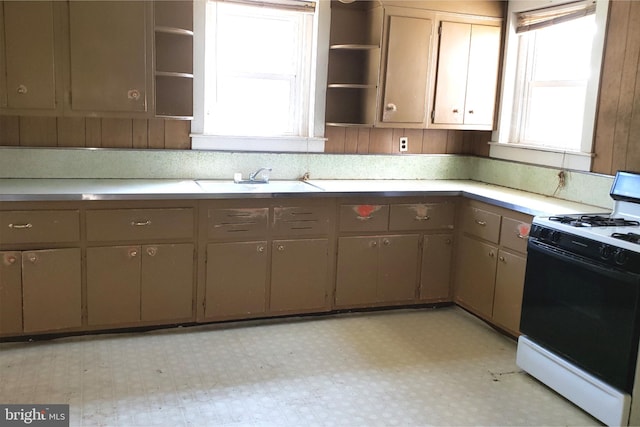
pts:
[587, 264]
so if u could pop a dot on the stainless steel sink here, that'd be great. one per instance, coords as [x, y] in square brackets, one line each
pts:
[221, 186]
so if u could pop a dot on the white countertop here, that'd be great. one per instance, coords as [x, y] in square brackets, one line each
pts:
[144, 189]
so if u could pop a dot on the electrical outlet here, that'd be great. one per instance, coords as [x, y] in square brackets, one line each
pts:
[404, 143]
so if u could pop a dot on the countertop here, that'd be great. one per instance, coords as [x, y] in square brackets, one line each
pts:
[12, 190]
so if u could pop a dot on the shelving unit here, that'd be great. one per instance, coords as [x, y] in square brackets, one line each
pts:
[173, 71]
[354, 63]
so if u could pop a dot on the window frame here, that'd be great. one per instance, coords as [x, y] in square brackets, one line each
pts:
[501, 147]
[314, 140]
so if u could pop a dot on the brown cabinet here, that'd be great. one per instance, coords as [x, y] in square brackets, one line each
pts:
[435, 278]
[406, 52]
[148, 276]
[467, 73]
[29, 71]
[491, 260]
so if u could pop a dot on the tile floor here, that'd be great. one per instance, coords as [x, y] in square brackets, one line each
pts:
[404, 367]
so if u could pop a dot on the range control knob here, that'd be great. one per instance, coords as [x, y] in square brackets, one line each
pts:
[606, 251]
[621, 256]
[555, 236]
[544, 233]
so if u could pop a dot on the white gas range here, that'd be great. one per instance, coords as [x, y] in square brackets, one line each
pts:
[581, 306]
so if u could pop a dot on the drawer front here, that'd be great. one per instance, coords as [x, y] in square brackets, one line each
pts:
[139, 224]
[364, 217]
[237, 223]
[39, 226]
[514, 234]
[481, 223]
[301, 221]
[421, 216]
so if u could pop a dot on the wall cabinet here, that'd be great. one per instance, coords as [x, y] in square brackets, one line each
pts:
[29, 71]
[491, 260]
[137, 282]
[406, 52]
[467, 74]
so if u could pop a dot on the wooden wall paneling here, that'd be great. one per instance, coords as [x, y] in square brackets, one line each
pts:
[117, 133]
[434, 141]
[38, 132]
[380, 141]
[140, 133]
[481, 143]
[615, 46]
[71, 132]
[455, 142]
[351, 140]
[176, 134]
[93, 132]
[627, 91]
[415, 141]
[9, 130]
[335, 139]
[156, 133]
[364, 137]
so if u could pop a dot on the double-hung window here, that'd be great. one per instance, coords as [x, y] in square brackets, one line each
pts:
[258, 76]
[550, 85]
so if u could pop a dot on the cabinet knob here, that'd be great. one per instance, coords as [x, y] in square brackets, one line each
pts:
[502, 259]
[33, 258]
[21, 89]
[448, 241]
[260, 248]
[152, 251]
[133, 94]
[20, 226]
[455, 111]
[492, 254]
[386, 242]
[281, 248]
[471, 111]
[132, 253]
[10, 259]
[373, 244]
[391, 107]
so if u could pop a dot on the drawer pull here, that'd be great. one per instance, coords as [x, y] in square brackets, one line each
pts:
[152, 251]
[364, 218]
[520, 236]
[481, 223]
[21, 226]
[141, 223]
[33, 258]
[423, 218]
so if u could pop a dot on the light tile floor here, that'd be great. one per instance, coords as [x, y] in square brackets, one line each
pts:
[404, 367]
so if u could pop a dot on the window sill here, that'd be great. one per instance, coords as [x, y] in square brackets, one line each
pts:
[283, 144]
[541, 156]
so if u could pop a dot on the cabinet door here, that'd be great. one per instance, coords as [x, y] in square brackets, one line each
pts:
[436, 267]
[453, 62]
[167, 282]
[10, 293]
[507, 303]
[29, 39]
[398, 268]
[476, 275]
[482, 75]
[108, 76]
[113, 285]
[3, 62]
[406, 71]
[299, 275]
[236, 279]
[51, 289]
[357, 273]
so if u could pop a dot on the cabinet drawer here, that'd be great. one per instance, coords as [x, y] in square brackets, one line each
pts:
[421, 216]
[514, 234]
[240, 223]
[139, 224]
[39, 226]
[364, 217]
[301, 221]
[481, 223]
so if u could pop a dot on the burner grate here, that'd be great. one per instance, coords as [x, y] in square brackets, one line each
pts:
[594, 221]
[629, 237]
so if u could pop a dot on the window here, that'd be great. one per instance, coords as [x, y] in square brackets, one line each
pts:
[258, 76]
[550, 83]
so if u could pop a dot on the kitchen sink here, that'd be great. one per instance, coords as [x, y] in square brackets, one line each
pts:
[222, 186]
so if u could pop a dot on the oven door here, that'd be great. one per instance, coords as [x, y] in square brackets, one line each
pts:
[584, 311]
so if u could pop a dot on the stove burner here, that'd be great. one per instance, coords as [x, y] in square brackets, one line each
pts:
[629, 237]
[594, 221]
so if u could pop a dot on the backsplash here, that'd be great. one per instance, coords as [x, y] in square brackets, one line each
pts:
[580, 187]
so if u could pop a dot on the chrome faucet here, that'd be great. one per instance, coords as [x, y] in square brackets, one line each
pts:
[265, 175]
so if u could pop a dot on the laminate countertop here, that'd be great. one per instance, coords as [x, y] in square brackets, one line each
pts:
[24, 190]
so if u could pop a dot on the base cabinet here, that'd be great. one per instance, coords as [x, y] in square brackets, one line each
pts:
[40, 290]
[435, 275]
[129, 284]
[476, 275]
[376, 269]
[509, 287]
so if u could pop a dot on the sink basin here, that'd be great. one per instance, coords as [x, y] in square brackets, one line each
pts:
[220, 186]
